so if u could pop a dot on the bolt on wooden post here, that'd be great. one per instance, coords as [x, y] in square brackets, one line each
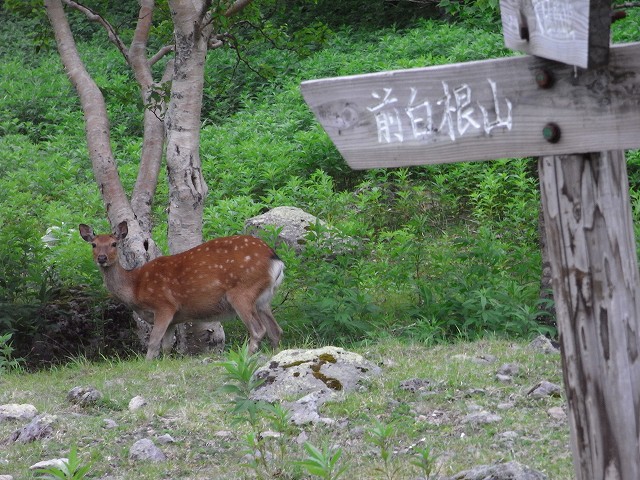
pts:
[571, 99]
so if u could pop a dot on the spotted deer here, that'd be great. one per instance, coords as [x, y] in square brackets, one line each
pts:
[213, 281]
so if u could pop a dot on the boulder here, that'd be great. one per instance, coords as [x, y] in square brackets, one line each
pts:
[296, 373]
[294, 226]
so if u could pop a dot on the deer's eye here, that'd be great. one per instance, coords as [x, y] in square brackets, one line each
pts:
[114, 244]
[93, 245]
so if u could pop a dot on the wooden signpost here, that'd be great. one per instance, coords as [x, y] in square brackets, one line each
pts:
[525, 106]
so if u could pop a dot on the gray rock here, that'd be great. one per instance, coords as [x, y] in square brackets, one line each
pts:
[40, 427]
[109, 423]
[510, 369]
[137, 403]
[480, 359]
[305, 410]
[6, 477]
[166, 439]
[544, 345]
[295, 225]
[557, 413]
[502, 471]
[17, 411]
[418, 385]
[545, 389]
[146, 450]
[296, 373]
[84, 396]
[504, 378]
[52, 463]
[482, 418]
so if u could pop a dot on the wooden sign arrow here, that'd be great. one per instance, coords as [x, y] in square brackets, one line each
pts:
[504, 108]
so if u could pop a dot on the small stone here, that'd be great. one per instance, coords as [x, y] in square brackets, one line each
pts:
[6, 477]
[39, 428]
[508, 435]
[165, 439]
[109, 423]
[414, 385]
[557, 413]
[484, 359]
[545, 389]
[505, 406]
[482, 418]
[302, 437]
[544, 345]
[16, 411]
[504, 378]
[145, 449]
[510, 369]
[137, 403]
[53, 463]
[84, 396]
[223, 434]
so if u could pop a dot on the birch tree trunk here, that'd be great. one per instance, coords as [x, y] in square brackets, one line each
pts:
[98, 139]
[187, 187]
[595, 274]
[176, 125]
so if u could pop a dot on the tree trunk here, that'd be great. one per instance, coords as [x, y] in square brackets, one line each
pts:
[187, 187]
[595, 280]
[139, 247]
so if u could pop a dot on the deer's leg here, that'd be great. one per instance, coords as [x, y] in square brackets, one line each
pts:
[168, 339]
[263, 305]
[245, 306]
[274, 332]
[161, 322]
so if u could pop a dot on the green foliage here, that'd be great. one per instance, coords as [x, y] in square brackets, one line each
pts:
[425, 462]
[72, 469]
[240, 376]
[7, 362]
[433, 247]
[381, 436]
[240, 368]
[322, 463]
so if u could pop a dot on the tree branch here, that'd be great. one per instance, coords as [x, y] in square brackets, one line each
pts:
[92, 16]
[164, 51]
[237, 6]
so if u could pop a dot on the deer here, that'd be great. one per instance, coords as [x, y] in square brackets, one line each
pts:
[213, 281]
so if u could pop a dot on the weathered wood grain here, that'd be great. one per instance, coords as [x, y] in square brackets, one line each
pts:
[479, 110]
[592, 249]
[575, 32]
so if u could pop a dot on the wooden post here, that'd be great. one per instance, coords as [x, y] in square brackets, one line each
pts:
[595, 275]
[529, 106]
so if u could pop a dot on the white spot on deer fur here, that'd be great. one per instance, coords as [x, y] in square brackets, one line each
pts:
[247, 258]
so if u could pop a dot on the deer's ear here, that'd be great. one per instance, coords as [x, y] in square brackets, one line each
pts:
[122, 230]
[86, 232]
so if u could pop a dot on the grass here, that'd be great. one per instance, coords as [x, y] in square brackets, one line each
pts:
[184, 401]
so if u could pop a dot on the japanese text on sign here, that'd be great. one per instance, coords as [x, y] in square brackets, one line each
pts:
[454, 114]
